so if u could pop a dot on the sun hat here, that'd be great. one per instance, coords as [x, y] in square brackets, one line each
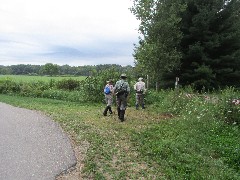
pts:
[123, 75]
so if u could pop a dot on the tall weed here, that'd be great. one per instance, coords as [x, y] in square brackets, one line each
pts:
[197, 143]
[230, 110]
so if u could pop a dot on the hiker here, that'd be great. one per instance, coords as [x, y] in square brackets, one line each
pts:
[140, 90]
[108, 92]
[122, 90]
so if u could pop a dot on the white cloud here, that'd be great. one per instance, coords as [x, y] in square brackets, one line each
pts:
[82, 31]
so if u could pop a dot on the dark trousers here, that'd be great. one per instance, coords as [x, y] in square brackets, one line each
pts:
[121, 102]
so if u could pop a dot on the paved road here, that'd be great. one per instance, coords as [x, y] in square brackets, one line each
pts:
[32, 146]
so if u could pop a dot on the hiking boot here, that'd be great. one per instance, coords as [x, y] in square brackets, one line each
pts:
[105, 111]
[110, 109]
[121, 117]
[118, 110]
[136, 106]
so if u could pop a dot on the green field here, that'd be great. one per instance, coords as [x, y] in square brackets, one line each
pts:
[25, 78]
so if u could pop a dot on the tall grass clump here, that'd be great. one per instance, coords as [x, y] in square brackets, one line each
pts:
[198, 142]
[229, 105]
[170, 101]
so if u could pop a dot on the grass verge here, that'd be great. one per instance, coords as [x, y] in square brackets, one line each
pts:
[148, 145]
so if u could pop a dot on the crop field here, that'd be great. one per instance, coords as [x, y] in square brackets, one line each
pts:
[25, 78]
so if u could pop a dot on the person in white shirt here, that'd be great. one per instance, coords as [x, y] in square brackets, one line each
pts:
[140, 90]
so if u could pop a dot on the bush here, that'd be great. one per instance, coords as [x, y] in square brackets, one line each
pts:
[68, 84]
[170, 101]
[33, 89]
[92, 89]
[8, 86]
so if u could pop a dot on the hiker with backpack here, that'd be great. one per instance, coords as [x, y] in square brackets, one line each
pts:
[108, 92]
[122, 90]
[140, 90]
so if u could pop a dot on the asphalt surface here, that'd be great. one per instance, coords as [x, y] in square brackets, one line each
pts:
[32, 146]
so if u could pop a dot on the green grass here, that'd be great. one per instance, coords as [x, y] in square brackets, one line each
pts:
[148, 145]
[188, 150]
[25, 78]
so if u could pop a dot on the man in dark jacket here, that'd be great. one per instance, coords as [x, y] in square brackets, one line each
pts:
[122, 90]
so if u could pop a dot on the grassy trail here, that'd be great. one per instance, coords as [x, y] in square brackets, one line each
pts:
[148, 145]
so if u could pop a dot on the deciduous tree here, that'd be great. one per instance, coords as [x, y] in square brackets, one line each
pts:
[158, 48]
[50, 69]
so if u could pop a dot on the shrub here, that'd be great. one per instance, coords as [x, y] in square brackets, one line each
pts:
[68, 84]
[223, 105]
[92, 89]
[33, 89]
[8, 86]
[170, 101]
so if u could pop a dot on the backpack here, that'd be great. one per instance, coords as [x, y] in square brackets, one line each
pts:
[107, 90]
[121, 90]
[140, 91]
[136, 86]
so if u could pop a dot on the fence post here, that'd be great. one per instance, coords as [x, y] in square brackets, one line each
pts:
[147, 81]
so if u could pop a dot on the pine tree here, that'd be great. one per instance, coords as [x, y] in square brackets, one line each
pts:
[211, 44]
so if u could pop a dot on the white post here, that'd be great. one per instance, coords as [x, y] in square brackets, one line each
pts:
[147, 82]
[176, 83]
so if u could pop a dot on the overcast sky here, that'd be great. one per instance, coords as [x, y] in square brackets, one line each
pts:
[73, 32]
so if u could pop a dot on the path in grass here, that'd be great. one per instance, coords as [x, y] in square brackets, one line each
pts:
[32, 146]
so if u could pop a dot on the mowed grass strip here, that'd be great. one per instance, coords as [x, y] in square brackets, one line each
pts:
[148, 145]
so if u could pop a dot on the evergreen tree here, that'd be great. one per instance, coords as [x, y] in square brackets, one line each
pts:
[210, 44]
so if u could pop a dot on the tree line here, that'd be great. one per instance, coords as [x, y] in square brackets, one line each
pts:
[54, 69]
[195, 40]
